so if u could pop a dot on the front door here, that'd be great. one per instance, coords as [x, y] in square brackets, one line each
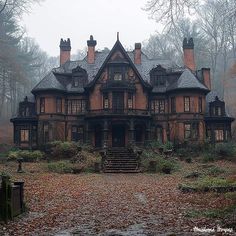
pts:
[118, 136]
[118, 102]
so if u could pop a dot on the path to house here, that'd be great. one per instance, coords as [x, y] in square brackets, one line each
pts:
[106, 204]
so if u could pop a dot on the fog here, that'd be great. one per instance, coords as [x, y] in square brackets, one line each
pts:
[52, 20]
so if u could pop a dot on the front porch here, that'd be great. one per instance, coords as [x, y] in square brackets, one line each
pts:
[118, 133]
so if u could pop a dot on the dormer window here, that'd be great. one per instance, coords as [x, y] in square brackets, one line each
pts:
[76, 82]
[158, 76]
[218, 111]
[117, 76]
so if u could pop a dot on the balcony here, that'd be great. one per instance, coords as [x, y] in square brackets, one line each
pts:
[123, 84]
[119, 112]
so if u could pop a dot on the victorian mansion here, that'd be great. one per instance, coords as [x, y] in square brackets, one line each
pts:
[116, 98]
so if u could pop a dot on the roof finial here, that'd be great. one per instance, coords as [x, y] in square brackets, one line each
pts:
[117, 36]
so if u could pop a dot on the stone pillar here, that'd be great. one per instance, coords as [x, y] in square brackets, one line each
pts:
[105, 134]
[131, 132]
[148, 133]
[88, 134]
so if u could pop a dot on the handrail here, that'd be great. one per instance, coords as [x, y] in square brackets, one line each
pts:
[119, 111]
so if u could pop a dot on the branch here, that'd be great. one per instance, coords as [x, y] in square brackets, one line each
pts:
[4, 6]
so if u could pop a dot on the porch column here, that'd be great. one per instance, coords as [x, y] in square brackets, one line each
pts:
[131, 132]
[87, 134]
[148, 133]
[105, 134]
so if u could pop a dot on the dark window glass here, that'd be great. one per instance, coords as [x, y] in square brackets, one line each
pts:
[42, 105]
[191, 131]
[46, 133]
[172, 105]
[58, 105]
[77, 133]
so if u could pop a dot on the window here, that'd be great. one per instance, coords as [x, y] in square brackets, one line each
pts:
[218, 111]
[158, 106]
[191, 131]
[130, 100]
[187, 131]
[42, 105]
[58, 105]
[77, 133]
[200, 104]
[24, 135]
[75, 106]
[76, 82]
[219, 135]
[46, 133]
[161, 106]
[172, 105]
[117, 76]
[105, 101]
[186, 104]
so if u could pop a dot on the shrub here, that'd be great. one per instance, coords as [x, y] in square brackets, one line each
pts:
[168, 146]
[27, 156]
[60, 167]
[64, 150]
[208, 157]
[225, 150]
[215, 171]
[166, 166]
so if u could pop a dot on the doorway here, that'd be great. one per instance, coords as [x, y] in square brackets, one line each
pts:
[118, 136]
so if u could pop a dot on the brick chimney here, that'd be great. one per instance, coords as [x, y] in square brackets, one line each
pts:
[188, 48]
[65, 49]
[137, 53]
[91, 50]
[206, 77]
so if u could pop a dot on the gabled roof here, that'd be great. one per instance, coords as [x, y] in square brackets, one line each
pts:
[187, 80]
[118, 46]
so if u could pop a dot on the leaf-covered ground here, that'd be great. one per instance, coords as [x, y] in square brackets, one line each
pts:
[105, 204]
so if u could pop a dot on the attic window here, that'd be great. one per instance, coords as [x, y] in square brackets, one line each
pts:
[76, 82]
[117, 76]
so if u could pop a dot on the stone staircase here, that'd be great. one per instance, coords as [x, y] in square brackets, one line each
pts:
[120, 160]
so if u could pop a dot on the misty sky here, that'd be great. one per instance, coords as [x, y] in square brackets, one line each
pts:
[77, 19]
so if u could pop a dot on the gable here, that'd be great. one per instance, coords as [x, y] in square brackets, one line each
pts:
[118, 57]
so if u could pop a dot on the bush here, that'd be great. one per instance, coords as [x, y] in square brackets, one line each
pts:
[60, 167]
[153, 162]
[27, 156]
[208, 157]
[64, 150]
[225, 150]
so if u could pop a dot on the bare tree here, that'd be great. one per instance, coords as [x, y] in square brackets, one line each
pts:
[3, 7]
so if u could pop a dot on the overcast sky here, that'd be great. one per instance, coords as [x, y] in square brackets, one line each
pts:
[78, 19]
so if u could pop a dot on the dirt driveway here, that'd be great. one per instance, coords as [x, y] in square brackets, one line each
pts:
[107, 204]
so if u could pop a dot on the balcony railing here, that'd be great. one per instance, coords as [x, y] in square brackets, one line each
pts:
[136, 112]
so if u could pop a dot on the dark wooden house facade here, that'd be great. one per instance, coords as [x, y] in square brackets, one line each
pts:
[116, 98]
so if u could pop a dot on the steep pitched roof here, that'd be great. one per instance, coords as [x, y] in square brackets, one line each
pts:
[49, 82]
[187, 80]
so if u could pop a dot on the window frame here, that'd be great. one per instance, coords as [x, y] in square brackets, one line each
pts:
[23, 132]
[105, 101]
[200, 105]
[58, 105]
[75, 106]
[187, 104]
[193, 131]
[130, 101]
[173, 104]
[42, 105]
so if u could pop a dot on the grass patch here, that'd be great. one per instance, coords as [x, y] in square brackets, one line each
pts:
[211, 213]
